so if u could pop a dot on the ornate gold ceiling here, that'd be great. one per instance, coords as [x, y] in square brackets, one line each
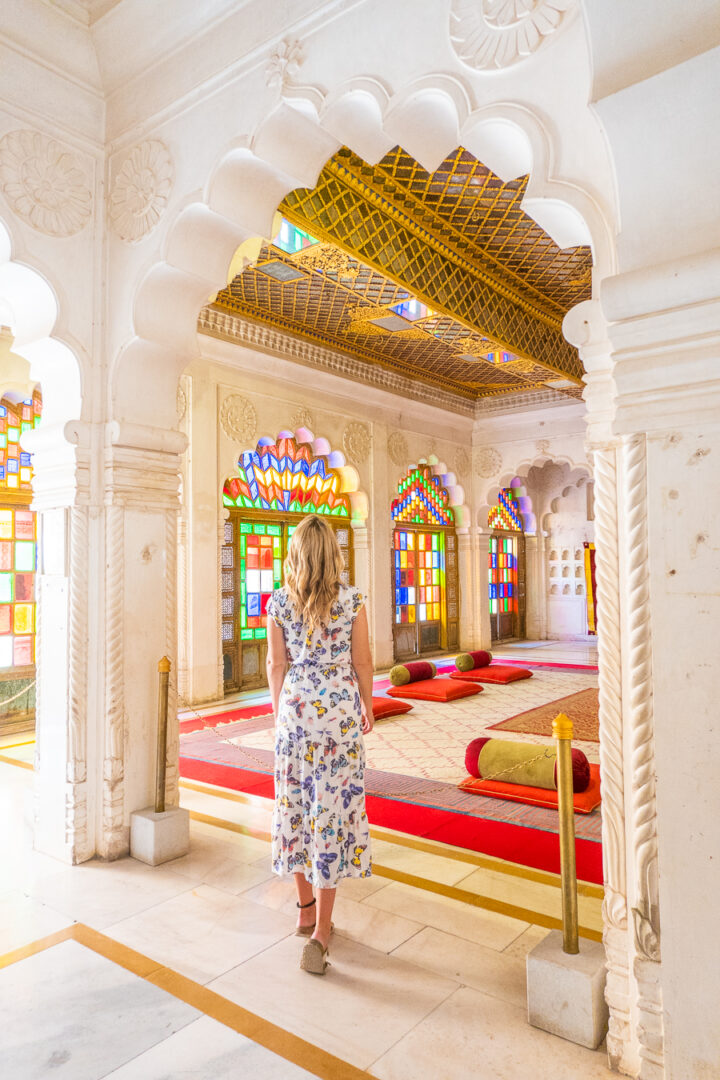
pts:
[456, 240]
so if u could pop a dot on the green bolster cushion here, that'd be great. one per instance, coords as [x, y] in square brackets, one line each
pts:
[402, 674]
[522, 763]
[468, 661]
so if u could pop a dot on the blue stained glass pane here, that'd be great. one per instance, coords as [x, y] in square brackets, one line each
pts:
[403, 541]
[12, 465]
[493, 592]
[510, 590]
[403, 596]
[24, 459]
[398, 578]
[253, 604]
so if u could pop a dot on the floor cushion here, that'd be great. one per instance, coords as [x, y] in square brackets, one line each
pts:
[584, 802]
[384, 707]
[495, 673]
[435, 690]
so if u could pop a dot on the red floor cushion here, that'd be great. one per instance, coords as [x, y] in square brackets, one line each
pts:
[435, 690]
[384, 707]
[495, 673]
[584, 802]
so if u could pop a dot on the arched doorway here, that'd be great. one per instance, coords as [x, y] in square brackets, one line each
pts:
[18, 558]
[275, 486]
[424, 566]
[506, 568]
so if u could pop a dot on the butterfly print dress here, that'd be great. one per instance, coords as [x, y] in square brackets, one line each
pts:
[320, 826]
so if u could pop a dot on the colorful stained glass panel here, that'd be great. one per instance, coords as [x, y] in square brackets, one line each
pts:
[421, 499]
[506, 513]
[286, 477]
[260, 574]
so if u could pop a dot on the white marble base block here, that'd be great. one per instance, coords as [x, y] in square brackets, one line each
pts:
[566, 994]
[157, 838]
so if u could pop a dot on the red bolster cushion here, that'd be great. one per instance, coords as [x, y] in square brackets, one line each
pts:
[384, 707]
[415, 671]
[496, 673]
[468, 661]
[435, 690]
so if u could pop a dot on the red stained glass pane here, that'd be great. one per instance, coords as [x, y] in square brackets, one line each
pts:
[5, 618]
[24, 525]
[6, 554]
[23, 651]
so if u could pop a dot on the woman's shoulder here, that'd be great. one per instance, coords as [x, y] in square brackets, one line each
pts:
[351, 598]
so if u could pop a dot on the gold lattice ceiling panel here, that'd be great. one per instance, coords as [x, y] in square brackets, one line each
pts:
[493, 283]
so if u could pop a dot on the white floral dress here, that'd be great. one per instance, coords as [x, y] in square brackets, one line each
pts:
[320, 826]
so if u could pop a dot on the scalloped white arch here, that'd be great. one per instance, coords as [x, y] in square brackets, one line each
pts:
[29, 306]
[521, 470]
[429, 117]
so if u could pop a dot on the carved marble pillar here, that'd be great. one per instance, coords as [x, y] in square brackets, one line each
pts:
[466, 582]
[534, 593]
[483, 609]
[478, 555]
[141, 510]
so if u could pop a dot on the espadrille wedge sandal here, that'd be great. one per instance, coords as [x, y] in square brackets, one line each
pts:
[314, 957]
[308, 931]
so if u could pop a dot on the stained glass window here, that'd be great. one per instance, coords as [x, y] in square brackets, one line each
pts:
[291, 239]
[419, 576]
[412, 309]
[421, 499]
[506, 513]
[260, 574]
[286, 477]
[15, 464]
[503, 574]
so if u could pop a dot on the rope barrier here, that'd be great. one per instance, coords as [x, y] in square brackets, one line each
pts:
[19, 694]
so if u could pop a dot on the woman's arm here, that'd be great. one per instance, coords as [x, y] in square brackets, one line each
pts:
[277, 661]
[362, 662]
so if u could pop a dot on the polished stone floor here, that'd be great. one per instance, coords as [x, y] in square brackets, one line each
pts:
[190, 970]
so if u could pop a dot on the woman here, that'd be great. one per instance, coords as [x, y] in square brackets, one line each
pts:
[320, 676]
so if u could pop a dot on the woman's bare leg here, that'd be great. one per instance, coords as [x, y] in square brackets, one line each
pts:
[306, 915]
[325, 902]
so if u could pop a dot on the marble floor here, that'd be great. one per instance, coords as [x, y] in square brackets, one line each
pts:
[190, 970]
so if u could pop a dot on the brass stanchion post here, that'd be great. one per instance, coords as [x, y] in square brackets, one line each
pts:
[562, 730]
[164, 677]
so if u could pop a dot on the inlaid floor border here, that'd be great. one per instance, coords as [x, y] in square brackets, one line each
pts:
[291, 1047]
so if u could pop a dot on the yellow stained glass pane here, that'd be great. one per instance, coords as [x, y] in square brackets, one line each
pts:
[6, 524]
[23, 621]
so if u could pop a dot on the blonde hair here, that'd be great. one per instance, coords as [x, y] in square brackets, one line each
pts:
[313, 567]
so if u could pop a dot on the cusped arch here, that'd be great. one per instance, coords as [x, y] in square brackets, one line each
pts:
[518, 477]
[288, 150]
[30, 308]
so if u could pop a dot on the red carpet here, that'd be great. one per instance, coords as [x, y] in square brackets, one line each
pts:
[537, 848]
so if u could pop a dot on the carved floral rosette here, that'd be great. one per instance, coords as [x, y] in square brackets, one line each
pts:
[494, 34]
[462, 461]
[238, 418]
[488, 462]
[398, 450]
[356, 442]
[140, 190]
[44, 183]
[284, 63]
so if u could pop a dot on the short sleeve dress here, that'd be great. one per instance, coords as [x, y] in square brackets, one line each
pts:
[320, 826]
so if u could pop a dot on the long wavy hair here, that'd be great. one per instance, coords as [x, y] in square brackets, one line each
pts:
[313, 567]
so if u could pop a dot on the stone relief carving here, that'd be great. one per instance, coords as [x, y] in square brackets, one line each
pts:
[462, 461]
[489, 462]
[303, 418]
[398, 451]
[356, 442]
[646, 909]
[543, 446]
[140, 190]
[44, 183]
[284, 63]
[493, 34]
[113, 793]
[181, 402]
[611, 752]
[238, 418]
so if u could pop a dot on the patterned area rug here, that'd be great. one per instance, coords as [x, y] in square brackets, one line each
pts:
[582, 708]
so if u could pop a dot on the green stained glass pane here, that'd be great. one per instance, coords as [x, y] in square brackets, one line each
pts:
[24, 555]
[274, 530]
[277, 569]
[37, 421]
[243, 545]
[13, 434]
[261, 633]
[6, 588]
[227, 501]
[246, 635]
[25, 426]
[245, 528]
[259, 530]
[3, 440]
